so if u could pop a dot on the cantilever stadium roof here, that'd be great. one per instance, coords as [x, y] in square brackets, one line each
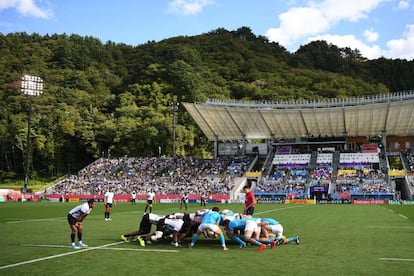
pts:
[237, 120]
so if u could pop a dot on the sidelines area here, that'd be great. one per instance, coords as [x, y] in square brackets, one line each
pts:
[102, 247]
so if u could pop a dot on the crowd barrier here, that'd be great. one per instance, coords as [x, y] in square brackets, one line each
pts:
[196, 199]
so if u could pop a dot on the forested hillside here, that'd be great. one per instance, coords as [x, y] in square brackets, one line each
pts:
[101, 98]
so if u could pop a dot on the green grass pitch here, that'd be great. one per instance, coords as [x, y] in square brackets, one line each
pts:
[335, 240]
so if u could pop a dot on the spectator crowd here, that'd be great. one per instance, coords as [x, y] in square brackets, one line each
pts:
[166, 176]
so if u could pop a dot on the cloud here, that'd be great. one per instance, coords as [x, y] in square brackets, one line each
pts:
[314, 21]
[297, 23]
[315, 18]
[347, 10]
[352, 42]
[188, 7]
[370, 35]
[403, 47]
[398, 48]
[27, 8]
[402, 5]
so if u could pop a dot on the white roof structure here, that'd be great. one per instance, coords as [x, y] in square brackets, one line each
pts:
[229, 120]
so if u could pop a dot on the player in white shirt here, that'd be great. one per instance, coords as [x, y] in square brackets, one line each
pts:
[133, 197]
[75, 219]
[108, 201]
[150, 201]
[184, 201]
[170, 227]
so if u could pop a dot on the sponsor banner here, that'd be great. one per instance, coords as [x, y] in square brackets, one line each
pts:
[369, 201]
[395, 172]
[238, 201]
[73, 199]
[273, 201]
[344, 201]
[139, 197]
[346, 172]
[300, 201]
[253, 174]
[369, 148]
[124, 200]
[54, 200]
[316, 189]
[400, 202]
[169, 200]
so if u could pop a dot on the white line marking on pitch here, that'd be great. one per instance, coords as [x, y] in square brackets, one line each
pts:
[70, 253]
[391, 227]
[36, 220]
[402, 216]
[396, 259]
[101, 248]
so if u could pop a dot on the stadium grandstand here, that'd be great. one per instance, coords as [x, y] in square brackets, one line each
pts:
[333, 150]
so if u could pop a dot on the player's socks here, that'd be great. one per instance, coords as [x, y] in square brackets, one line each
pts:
[293, 239]
[268, 241]
[279, 240]
[222, 241]
[238, 240]
[194, 239]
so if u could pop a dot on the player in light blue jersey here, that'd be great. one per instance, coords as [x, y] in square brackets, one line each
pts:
[234, 230]
[272, 228]
[210, 222]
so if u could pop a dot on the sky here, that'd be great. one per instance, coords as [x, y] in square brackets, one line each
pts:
[377, 28]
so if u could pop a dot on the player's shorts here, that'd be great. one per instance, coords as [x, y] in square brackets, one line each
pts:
[149, 201]
[250, 211]
[276, 229]
[108, 205]
[145, 225]
[206, 226]
[186, 225]
[251, 228]
[72, 220]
